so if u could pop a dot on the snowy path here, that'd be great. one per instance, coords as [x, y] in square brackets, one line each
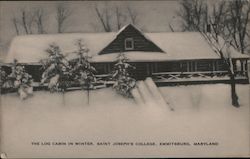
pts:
[202, 113]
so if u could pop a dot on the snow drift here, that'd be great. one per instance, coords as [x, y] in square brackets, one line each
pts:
[113, 118]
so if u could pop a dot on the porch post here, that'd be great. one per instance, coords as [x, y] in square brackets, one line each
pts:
[148, 68]
[191, 66]
[242, 66]
[195, 66]
[234, 65]
[152, 67]
[246, 68]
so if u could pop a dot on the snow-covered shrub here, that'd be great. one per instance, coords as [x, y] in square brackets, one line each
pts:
[82, 71]
[21, 80]
[57, 70]
[124, 83]
[2, 77]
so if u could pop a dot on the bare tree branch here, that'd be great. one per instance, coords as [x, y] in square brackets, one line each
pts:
[214, 43]
[63, 13]
[194, 15]
[39, 20]
[239, 21]
[108, 17]
[114, 17]
[118, 17]
[171, 28]
[15, 23]
[104, 18]
[133, 15]
[229, 19]
[24, 21]
[27, 21]
[30, 21]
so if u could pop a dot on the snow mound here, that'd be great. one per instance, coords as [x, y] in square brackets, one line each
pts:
[147, 95]
[203, 113]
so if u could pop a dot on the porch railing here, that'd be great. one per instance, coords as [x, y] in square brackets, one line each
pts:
[204, 75]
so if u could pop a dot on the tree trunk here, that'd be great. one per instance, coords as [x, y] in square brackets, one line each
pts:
[63, 95]
[230, 69]
[88, 94]
[24, 22]
[15, 24]
[234, 95]
[59, 27]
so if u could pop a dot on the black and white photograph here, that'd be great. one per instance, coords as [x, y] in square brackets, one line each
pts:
[124, 79]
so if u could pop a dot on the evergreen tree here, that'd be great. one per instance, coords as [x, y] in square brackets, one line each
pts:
[123, 81]
[83, 72]
[21, 80]
[57, 70]
[2, 77]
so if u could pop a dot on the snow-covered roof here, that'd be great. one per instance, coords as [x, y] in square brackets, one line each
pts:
[228, 50]
[32, 48]
[183, 45]
[176, 45]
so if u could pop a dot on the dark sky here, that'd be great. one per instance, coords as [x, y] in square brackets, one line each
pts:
[154, 16]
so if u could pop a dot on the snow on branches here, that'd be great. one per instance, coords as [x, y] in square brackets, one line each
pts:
[21, 80]
[2, 77]
[82, 71]
[123, 82]
[222, 46]
[57, 69]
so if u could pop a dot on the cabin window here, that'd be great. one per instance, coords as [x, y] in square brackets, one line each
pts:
[204, 66]
[129, 44]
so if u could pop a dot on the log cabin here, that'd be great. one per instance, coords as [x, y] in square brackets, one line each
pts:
[167, 57]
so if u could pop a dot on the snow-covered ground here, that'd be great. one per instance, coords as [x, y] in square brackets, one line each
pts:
[203, 113]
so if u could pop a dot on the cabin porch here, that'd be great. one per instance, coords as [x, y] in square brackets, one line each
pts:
[185, 71]
[165, 73]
